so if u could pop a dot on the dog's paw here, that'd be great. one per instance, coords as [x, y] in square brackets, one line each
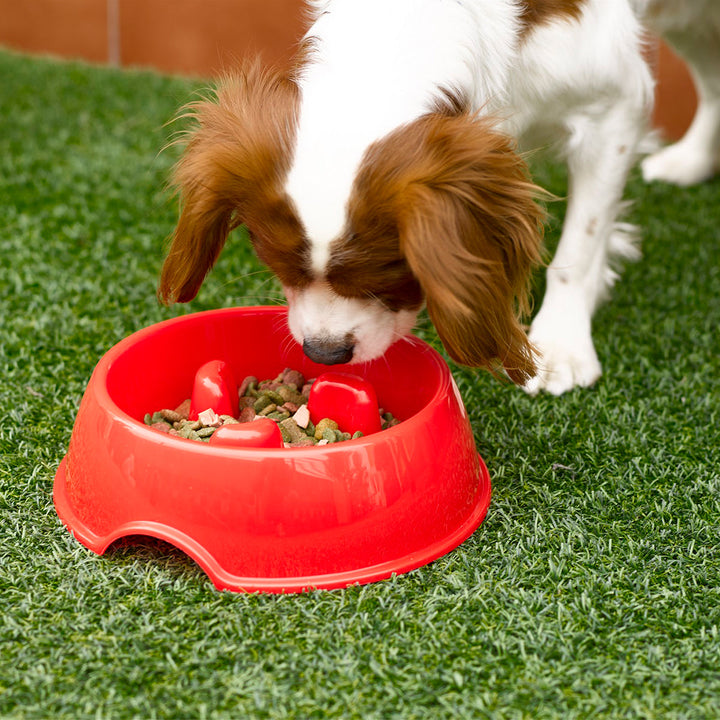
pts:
[679, 164]
[566, 359]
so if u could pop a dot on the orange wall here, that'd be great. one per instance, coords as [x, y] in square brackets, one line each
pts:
[202, 37]
[70, 28]
[198, 37]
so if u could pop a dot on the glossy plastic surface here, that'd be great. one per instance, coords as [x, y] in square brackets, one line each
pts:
[348, 399]
[275, 520]
[261, 433]
[214, 388]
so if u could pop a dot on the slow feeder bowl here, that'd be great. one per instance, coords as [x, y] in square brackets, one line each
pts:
[277, 519]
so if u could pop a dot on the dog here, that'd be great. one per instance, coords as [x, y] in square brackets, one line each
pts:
[385, 170]
[692, 28]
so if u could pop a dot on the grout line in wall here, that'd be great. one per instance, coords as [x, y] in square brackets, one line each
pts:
[113, 32]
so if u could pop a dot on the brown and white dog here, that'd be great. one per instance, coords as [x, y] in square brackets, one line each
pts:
[382, 173]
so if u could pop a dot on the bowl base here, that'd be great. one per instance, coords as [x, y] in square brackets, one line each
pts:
[223, 580]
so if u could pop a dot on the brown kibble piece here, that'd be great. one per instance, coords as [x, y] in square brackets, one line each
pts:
[246, 383]
[183, 409]
[171, 415]
[247, 414]
[294, 377]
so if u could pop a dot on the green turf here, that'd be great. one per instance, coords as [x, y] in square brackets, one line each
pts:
[591, 590]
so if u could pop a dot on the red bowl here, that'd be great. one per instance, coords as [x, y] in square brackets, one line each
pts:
[277, 519]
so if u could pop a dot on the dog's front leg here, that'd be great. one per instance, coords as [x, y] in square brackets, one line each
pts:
[601, 150]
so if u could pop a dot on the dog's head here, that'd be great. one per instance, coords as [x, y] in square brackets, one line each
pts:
[440, 212]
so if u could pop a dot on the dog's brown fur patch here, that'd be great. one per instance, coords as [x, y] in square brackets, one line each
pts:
[232, 172]
[443, 207]
[537, 12]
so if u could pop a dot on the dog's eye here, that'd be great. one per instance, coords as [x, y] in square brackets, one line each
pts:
[396, 291]
[405, 295]
[363, 269]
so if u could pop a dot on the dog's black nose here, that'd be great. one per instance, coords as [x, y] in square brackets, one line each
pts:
[328, 352]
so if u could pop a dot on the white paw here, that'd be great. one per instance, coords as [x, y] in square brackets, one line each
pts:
[679, 164]
[566, 358]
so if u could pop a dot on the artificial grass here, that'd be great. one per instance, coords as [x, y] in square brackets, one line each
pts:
[592, 589]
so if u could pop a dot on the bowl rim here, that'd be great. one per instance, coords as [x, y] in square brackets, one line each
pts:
[109, 405]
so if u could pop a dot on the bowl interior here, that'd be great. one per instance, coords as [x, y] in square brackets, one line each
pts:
[154, 368]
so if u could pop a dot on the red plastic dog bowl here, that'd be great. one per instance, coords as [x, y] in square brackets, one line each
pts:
[271, 519]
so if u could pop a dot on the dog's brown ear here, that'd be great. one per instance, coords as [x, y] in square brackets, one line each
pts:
[469, 292]
[470, 228]
[231, 170]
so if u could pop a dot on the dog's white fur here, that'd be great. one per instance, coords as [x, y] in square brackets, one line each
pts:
[581, 85]
[692, 28]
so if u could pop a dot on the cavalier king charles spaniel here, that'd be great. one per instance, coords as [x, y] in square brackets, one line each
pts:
[383, 172]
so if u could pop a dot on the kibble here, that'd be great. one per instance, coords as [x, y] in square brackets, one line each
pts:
[267, 410]
[247, 414]
[209, 418]
[302, 416]
[322, 426]
[245, 384]
[283, 399]
[171, 415]
[291, 431]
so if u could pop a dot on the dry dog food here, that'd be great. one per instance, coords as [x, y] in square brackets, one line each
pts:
[283, 399]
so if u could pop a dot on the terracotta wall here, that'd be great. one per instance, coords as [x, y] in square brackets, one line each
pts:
[201, 37]
[197, 37]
